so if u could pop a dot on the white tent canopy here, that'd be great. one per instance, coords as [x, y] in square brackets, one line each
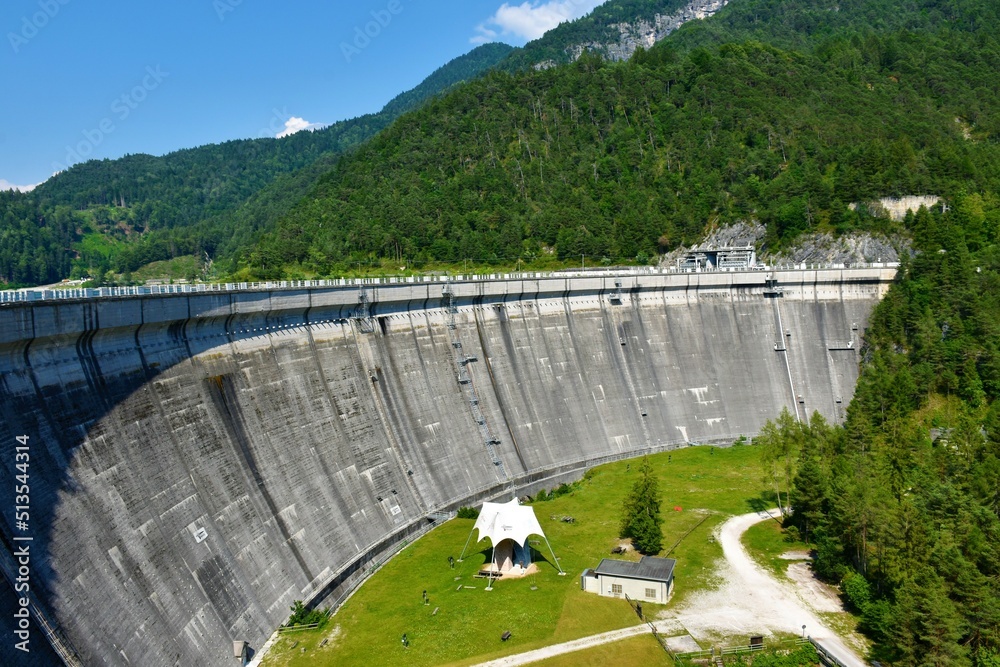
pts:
[508, 521]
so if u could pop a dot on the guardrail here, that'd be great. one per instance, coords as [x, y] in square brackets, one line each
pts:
[295, 628]
[368, 563]
[825, 656]
[35, 294]
[722, 652]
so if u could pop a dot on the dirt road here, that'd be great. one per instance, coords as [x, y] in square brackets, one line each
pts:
[751, 600]
[566, 647]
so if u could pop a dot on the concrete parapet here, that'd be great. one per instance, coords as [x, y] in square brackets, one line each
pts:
[27, 320]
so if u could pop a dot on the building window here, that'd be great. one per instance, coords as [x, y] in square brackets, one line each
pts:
[616, 589]
[651, 593]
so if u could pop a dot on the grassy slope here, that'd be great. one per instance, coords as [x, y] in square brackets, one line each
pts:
[183, 267]
[466, 630]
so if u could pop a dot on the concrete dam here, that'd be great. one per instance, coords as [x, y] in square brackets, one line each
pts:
[199, 461]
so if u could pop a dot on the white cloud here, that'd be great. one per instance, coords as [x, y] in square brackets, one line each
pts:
[7, 185]
[531, 19]
[485, 35]
[296, 124]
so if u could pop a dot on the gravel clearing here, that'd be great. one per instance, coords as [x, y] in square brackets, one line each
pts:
[817, 595]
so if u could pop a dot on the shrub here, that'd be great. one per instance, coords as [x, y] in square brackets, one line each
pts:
[857, 591]
[561, 490]
[468, 513]
[877, 620]
[302, 616]
[804, 655]
[828, 562]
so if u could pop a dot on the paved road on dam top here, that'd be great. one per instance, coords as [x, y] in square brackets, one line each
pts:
[749, 600]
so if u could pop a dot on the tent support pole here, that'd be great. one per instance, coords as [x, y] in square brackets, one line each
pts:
[468, 539]
[493, 558]
[553, 554]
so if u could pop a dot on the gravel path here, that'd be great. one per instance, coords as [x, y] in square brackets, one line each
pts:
[749, 601]
[567, 647]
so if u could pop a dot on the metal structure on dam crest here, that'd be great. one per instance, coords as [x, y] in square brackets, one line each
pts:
[203, 457]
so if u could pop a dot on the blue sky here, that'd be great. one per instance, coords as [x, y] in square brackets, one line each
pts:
[89, 79]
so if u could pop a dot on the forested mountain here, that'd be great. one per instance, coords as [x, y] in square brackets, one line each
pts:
[225, 235]
[616, 160]
[803, 25]
[121, 214]
[193, 184]
[34, 246]
[183, 187]
[902, 503]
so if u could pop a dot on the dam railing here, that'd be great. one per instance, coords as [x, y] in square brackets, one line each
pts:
[49, 294]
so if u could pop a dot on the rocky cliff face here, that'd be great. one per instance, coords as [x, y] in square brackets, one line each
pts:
[814, 248]
[897, 207]
[643, 33]
[857, 248]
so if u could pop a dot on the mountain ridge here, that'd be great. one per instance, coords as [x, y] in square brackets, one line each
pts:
[618, 161]
[104, 215]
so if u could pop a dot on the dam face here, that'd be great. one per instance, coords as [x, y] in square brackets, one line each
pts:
[200, 461]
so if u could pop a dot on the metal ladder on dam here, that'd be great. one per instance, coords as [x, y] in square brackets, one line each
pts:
[462, 362]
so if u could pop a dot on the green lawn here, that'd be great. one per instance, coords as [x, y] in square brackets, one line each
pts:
[707, 484]
[183, 267]
[766, 541]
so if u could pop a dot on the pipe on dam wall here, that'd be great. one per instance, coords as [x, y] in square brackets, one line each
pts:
[199, 461]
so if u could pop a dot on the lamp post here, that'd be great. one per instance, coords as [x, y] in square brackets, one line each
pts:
[803, 631]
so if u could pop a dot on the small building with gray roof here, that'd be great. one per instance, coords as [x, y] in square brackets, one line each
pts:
[650, 579]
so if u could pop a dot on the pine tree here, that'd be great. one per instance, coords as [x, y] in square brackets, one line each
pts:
[809, 495]
[928, 625]
[641, 512]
